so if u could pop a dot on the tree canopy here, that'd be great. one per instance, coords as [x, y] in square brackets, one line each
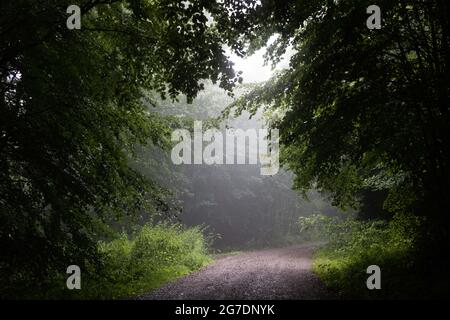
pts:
[72, 111]
[360, 109]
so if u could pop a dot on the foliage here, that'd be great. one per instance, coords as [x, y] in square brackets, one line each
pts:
[133, 265]
[359, 109]
[316, 227]
[151, 257]
[72, 114]
[355, 245]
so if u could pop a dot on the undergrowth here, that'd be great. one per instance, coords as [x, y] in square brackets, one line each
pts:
[394, 246]
[136, 264]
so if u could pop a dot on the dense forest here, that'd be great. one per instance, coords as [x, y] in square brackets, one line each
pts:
[90, 103]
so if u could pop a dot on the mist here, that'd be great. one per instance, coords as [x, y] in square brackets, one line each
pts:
[238, 207]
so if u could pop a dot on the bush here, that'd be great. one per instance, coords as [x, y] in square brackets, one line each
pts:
[151, 257]
[315, 227]
[136, 264]
[355, 245]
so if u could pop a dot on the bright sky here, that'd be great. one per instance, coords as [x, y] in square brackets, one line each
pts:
[253, 67]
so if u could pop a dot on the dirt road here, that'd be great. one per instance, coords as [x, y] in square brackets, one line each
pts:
[266, 274]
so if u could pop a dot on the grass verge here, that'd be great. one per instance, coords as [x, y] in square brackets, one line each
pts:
[134, 265]
[393, 246]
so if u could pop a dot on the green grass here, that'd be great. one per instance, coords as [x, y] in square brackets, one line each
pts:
[138, 264]
[345, 273]
[393, 246]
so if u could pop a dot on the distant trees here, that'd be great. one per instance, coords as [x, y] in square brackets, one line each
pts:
[235, 201]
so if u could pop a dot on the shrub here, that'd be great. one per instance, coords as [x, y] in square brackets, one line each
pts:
[355, 245]
[136, 264]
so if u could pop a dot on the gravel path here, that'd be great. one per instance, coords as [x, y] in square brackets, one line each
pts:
[266, 274]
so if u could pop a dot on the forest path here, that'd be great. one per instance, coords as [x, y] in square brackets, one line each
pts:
[283, 273]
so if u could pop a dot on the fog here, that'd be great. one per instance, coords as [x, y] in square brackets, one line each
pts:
[239, 207]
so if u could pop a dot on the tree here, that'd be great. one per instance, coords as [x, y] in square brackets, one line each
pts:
[72, 111]
[359, 109]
